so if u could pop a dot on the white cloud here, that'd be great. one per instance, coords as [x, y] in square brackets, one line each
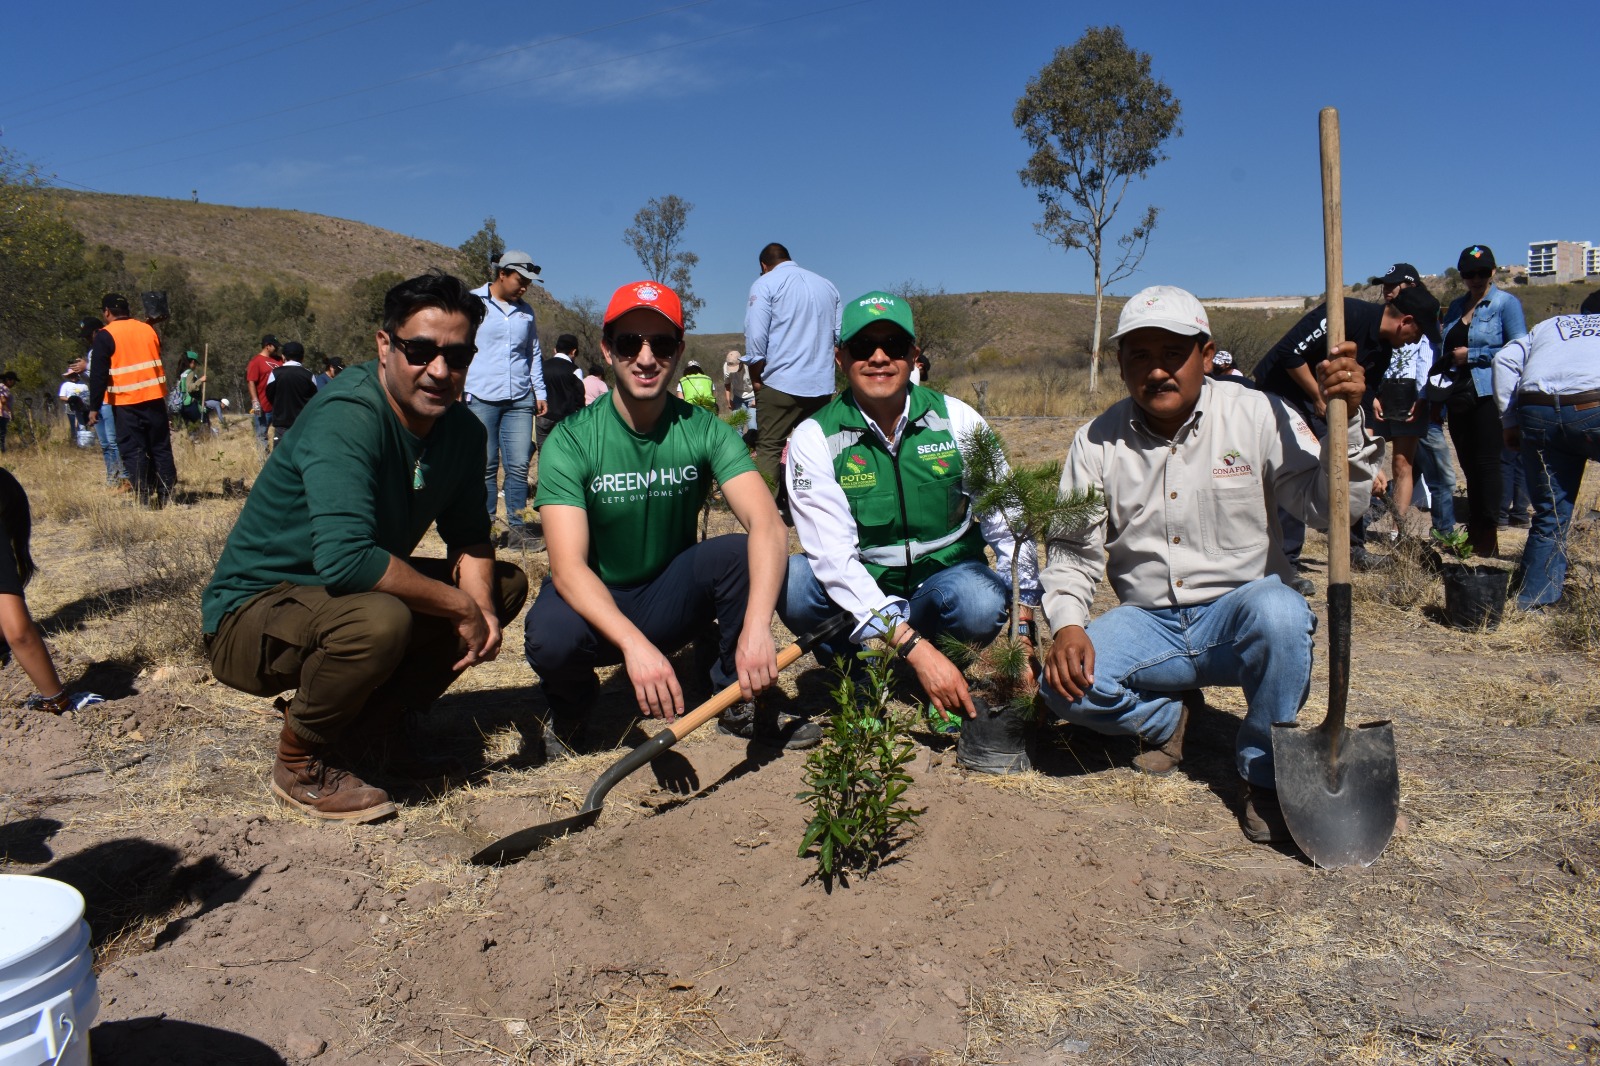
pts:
[578, 70]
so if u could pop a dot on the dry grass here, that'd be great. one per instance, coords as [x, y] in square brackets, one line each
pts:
[1498, 869]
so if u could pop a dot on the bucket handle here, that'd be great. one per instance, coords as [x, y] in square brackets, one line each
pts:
[64, 1022]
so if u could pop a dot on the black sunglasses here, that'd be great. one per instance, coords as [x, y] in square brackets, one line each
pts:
[629, 345]
[1475, 275]
[420, 351]
[530, 267]
[862, 348]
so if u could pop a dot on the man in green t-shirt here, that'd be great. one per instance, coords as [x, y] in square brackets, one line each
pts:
[621, 484]
[316, 589]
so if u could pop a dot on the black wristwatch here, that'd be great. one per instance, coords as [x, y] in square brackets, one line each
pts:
[1028, 628]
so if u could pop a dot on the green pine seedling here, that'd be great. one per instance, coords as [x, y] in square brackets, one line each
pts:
[856, 779]
[1028, 499]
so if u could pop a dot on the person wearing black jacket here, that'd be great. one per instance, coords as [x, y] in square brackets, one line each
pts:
[289, 388]
[1288, 370]
[563, 387]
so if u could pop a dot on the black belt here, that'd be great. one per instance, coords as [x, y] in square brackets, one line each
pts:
[1577, 401]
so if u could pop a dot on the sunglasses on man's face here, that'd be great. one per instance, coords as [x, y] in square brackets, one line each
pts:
[1475, 275]
[897, 346]
[629, 345]
[420, 351]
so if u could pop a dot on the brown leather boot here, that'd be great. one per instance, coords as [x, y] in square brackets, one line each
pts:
[300, 779]
[1262, 818]
[1159, 762]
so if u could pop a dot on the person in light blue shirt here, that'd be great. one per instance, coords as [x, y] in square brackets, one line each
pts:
[789, 329]
[505, 386]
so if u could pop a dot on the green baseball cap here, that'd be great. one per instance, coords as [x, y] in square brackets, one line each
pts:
[875, 307]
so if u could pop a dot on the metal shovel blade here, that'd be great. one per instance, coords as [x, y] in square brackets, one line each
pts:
[1341, 802]
[525, 842]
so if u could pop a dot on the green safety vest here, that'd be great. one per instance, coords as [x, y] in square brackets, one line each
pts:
[912, 515]
[699, 390]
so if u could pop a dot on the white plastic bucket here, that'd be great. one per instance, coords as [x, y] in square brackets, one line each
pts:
[48, 998]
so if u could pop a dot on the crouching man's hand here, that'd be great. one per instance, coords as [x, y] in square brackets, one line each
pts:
[941, 680]
[1340, 376]
[1070, 666]
[756, 659]
[655, 685]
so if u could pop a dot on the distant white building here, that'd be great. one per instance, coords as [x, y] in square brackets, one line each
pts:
[1553, 262]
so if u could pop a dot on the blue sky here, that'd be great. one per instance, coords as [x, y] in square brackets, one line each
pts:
[874, 138]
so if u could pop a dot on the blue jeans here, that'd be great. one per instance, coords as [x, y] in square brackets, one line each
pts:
[510, 427]
[263, 427]
[106, 430]
[1257, 636]
[1514, 498]
[1439, 474]
[967, 601]
[1555, 445]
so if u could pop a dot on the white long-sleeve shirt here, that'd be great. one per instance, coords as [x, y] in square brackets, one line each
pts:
[827, 529]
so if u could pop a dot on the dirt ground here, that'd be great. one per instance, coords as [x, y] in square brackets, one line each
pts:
[1079, 913]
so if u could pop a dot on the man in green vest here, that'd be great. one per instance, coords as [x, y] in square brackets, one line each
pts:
[696, 387]
[884, 518]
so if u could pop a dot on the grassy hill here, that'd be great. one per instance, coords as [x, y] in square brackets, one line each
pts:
[221, 244]
[1027, 347]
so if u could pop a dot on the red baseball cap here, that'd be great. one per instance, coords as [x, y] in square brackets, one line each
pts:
[651, 294]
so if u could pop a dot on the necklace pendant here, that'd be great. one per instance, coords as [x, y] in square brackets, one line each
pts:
[417, 483]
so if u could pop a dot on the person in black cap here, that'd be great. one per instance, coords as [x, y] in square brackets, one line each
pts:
[1479, 323]
[1287, 370]
[289, 388]
[260, 368]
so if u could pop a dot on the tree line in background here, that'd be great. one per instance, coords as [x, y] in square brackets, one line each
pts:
[52, 277]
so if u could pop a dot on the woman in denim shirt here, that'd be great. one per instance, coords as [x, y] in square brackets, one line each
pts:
[1476, 327]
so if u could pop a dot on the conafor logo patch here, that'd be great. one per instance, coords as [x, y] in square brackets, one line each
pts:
[1232, 464]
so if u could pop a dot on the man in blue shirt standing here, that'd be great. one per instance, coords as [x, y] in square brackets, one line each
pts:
[505, 386]
[789, 328]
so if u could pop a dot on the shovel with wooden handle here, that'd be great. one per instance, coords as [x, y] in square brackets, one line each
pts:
[509, 849]
[1339, 788]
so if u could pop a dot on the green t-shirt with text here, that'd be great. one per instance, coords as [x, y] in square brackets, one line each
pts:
[642, 491]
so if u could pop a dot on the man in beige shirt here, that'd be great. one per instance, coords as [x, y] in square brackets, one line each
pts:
[1193, 471]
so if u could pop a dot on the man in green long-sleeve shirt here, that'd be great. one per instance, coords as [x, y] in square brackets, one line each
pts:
[316, 590]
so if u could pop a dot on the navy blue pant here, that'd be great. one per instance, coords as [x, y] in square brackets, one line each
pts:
[700, 594]
[144, 438]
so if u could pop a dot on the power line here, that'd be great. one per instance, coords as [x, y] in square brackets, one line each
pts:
[57, 116]
[234, 123]
[504, 85]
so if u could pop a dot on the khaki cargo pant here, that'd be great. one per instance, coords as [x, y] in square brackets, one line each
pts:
[363, 654]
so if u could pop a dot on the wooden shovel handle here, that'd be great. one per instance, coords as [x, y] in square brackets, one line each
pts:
[688, 723]
[1339, 606]
[1338, 417]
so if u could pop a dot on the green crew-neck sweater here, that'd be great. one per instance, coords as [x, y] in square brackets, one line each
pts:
[347, 489]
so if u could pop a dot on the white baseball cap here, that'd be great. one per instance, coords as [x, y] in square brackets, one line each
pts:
[519, 261]
[1163, 307]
